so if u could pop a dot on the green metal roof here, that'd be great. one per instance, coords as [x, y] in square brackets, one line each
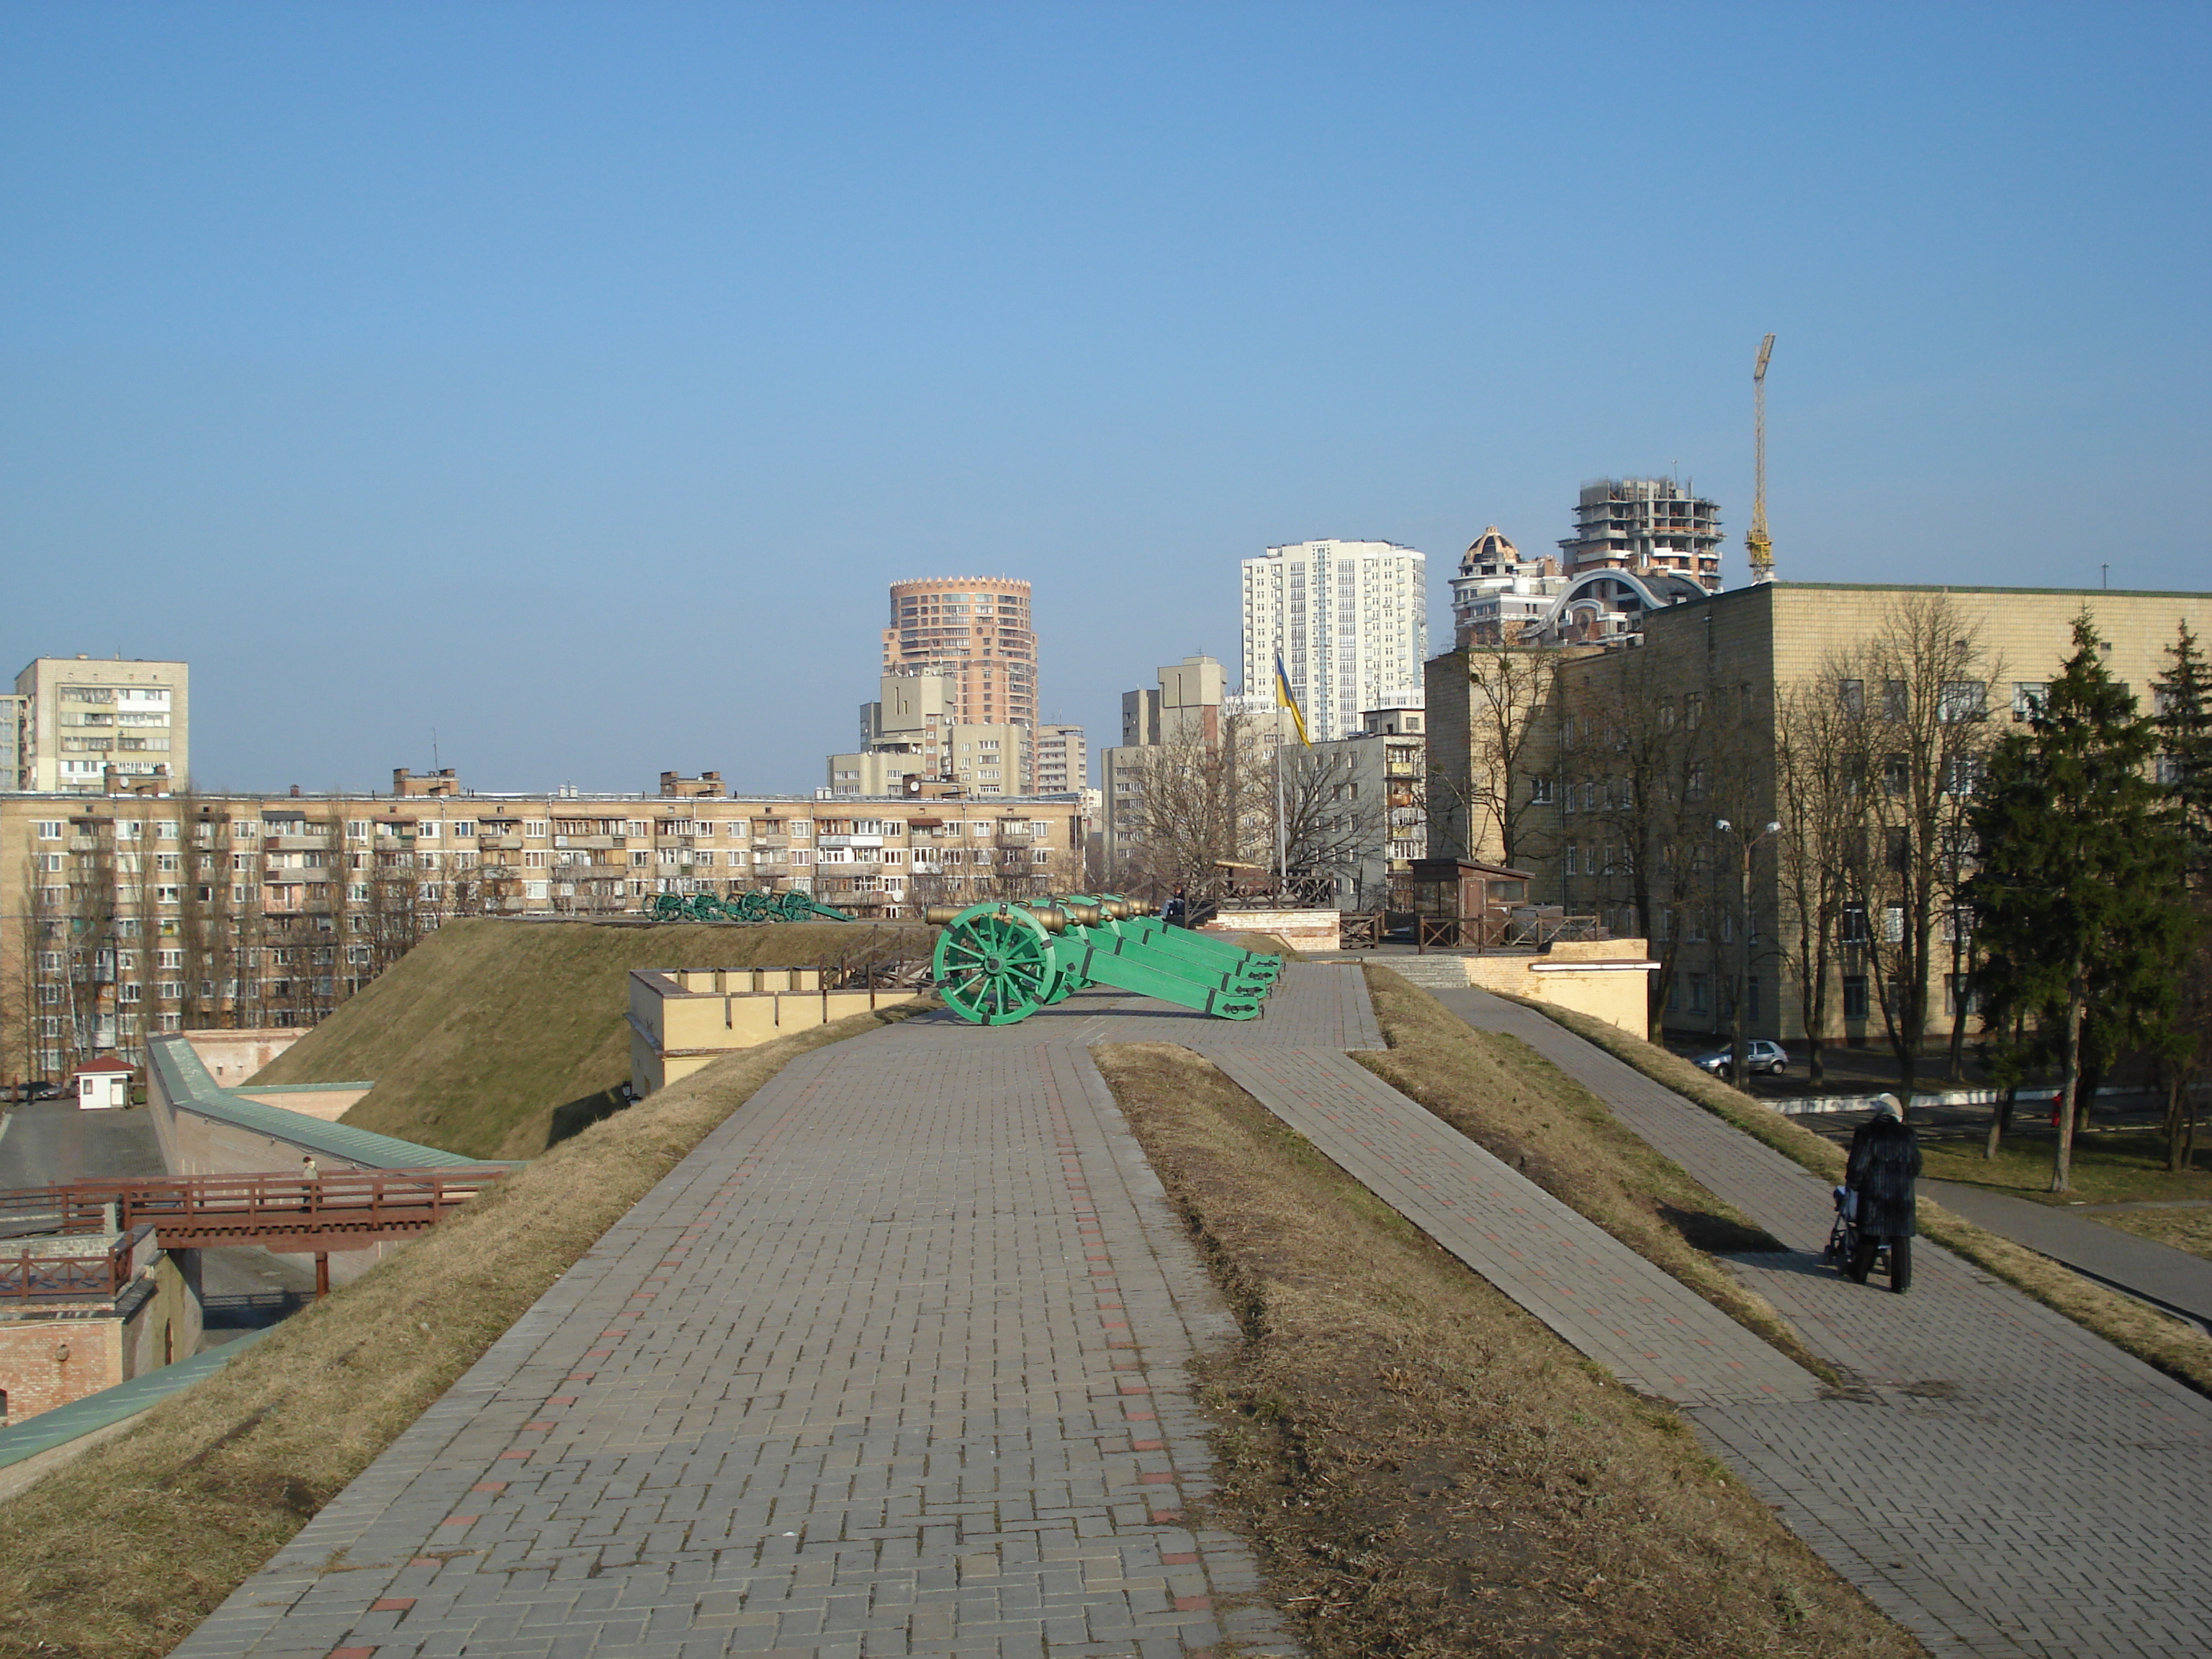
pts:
[185, 1079]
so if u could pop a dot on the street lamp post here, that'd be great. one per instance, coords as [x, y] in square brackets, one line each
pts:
[1747, 840]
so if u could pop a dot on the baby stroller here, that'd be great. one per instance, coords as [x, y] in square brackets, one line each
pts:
[1843, 1236]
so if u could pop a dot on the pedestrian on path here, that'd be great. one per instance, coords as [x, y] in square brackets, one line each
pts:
[1885, 1163]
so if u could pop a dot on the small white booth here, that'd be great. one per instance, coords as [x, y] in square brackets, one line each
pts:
[104, 1086]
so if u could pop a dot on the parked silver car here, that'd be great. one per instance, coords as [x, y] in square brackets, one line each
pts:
[1758, 1056]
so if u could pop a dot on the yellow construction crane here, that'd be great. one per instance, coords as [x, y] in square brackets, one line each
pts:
[1756, 541]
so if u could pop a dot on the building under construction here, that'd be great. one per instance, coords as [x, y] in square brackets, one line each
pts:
[1640, 524]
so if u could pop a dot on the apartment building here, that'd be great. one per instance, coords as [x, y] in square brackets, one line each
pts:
[1685, 709]
[1645, 524]
[1063, 761]
[1365, 798]
[15, 714]
[976, 630]
[1349, 620]
[912, 735]
[128, 914]
[1497, 594]
[81, 717]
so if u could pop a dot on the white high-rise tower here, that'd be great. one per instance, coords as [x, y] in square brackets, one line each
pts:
[1351, 622]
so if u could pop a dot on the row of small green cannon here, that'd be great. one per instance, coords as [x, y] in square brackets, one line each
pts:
[742, 906]
[999, 963]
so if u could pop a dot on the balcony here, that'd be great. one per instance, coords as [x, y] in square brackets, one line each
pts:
[500, 843]
[593, 843]
[314, 842]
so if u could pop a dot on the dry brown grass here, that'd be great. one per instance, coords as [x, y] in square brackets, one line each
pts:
[119, 1553]
[1425, 1470]
[497, 1039]
[1508, 1099]
[2181, 1229]
[2182, 1351]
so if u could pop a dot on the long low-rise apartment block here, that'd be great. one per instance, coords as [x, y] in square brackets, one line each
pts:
[128, 914]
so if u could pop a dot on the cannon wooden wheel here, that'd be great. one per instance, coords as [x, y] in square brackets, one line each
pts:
[995, 965]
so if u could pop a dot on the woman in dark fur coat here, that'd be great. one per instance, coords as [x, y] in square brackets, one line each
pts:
[1885, 1163]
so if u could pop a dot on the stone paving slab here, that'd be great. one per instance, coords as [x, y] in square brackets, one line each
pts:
[893, 1363]
[1650, 1330]
[2008, 1484]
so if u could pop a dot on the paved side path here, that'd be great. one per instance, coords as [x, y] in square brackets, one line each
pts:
[2008, 1483]
[2175, 1280]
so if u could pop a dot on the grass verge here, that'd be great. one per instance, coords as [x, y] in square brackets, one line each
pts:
[2180, 1351]
[120, 1553]
[2110, 1166]
[1510, 1100]
[2182, 1230]
[1424, 1469]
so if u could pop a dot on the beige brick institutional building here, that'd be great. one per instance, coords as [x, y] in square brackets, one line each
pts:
[130, 913]
[1685, 703]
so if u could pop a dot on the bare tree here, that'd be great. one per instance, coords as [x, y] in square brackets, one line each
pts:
[1329, 830]
[1203, 807]
[1818, 775]
[1918, 698]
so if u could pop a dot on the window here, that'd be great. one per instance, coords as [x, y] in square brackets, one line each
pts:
[1959, 995]
[2028, 697]
[1574, 860]
[1855, 996]
[1895, 702]
[49, 829]
[356, 828]
[1893, 924]
[1700, 993]
[165, 829]
[1040, 855]
[535, 828]
[1539, 791]
[427, 830]
[169, 959]
[1963, 700]
[461, 827]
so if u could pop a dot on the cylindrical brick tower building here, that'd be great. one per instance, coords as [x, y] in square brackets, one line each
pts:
[977, 629]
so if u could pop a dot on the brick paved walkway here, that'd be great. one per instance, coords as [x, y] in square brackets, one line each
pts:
[2008, 1483]
[893, 1363]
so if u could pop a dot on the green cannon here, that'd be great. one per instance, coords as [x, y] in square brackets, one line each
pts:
[1000, 962]
[1128, 921]
[745, 907]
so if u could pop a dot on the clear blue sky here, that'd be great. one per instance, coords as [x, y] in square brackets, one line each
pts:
[571, 379]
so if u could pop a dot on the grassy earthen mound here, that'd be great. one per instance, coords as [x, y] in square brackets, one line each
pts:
[497, 1039]
[120, 1553]
[1423, 1468]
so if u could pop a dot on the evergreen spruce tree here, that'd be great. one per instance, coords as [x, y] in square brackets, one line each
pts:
[2185, 742]
[2078, 898]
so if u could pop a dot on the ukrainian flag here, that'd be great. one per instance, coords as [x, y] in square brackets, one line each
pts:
[1285, 699]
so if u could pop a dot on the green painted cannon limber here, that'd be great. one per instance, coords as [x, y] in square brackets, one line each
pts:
[1000, 962]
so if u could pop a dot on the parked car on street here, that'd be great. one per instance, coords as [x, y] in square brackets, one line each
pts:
[1758, 1056]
